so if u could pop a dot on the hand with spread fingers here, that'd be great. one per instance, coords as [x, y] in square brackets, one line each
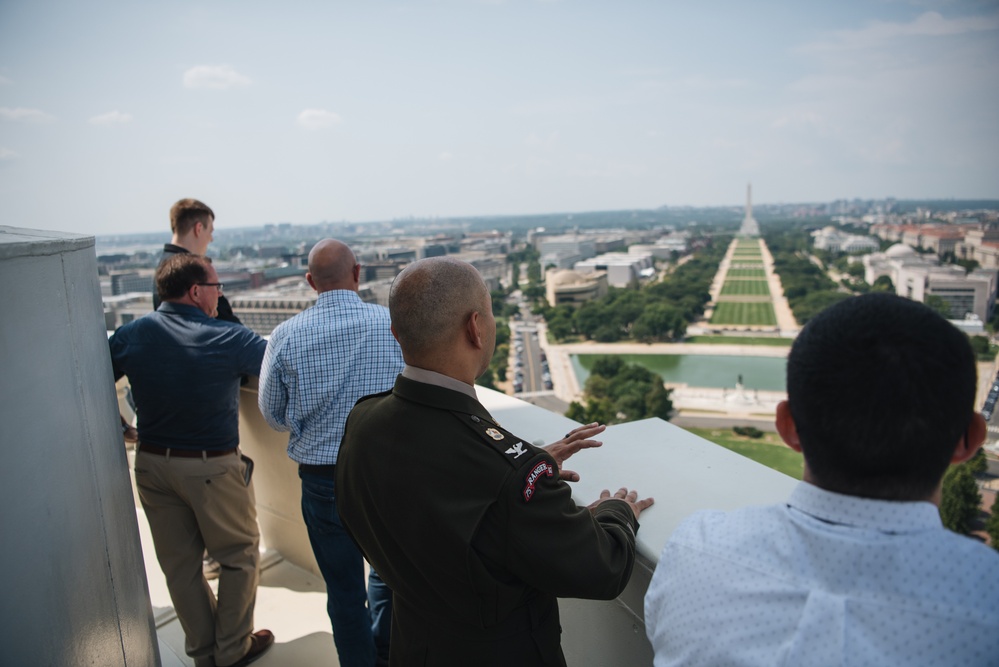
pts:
[630, 497]
[575, 440]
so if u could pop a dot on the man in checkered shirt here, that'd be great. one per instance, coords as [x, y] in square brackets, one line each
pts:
[316, 366]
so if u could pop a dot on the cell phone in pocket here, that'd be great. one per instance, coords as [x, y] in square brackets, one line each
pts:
[248, 470]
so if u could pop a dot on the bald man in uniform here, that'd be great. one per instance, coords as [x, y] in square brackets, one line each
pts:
[472, 527]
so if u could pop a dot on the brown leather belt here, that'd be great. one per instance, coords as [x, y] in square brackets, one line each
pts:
[184, 453]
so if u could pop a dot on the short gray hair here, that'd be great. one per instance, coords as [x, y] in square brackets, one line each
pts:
[431, 299]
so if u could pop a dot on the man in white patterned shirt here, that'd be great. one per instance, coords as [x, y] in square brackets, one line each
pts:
[316, 366]
[856, 568]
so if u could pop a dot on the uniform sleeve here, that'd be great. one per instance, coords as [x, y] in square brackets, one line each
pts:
[272, 395]
[559, 547]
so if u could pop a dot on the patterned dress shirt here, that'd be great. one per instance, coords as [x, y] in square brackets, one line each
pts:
[826, 579]
[318, 364]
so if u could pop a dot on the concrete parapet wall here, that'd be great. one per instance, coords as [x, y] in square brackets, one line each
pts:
[74, 586]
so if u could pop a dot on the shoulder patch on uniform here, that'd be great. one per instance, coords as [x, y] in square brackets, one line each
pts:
[517, 450]
[541, 469]
[501, 441]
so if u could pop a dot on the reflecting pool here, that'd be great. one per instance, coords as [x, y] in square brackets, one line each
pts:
[700, 370]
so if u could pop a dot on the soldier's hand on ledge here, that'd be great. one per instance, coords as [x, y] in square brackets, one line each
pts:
[630, 497]
[575, 440]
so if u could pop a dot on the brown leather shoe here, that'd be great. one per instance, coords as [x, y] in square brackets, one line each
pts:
[260, 641]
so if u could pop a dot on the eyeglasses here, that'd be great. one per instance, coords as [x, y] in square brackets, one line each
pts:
[219, 285]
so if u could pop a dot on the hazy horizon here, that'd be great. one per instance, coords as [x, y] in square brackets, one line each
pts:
[365, 112]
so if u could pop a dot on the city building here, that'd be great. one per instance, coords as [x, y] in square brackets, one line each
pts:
[123, 308]
[917, 277]
[982, 246]
[565, 251]
[123, 282]
[834, 240]
[622, 269]
[565, 286]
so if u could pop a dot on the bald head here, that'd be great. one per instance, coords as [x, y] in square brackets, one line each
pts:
[431, 302]
[332, 265]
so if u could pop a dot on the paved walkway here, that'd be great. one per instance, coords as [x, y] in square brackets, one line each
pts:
[786, 323]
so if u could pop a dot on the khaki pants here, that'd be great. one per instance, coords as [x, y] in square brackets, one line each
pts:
[194, 505]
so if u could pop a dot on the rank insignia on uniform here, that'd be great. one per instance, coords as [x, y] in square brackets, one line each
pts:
[494, 434]
[542, 469]
[517, 450]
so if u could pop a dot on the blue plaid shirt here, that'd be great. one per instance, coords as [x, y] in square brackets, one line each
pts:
[318, 364]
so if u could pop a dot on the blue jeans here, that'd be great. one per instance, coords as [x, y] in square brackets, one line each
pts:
[359, 631]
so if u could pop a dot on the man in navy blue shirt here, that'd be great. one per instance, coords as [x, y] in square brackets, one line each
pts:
[184, 366]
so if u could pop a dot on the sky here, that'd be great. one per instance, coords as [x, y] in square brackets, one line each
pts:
[357, 111]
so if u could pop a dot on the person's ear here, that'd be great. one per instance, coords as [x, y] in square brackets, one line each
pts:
[312, 283]
[972, 439]
[473, 329]
[786, 427]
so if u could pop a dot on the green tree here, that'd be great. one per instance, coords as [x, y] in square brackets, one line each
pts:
[883, 284]
[617, 392]
[659, 322]
[514, 273]
[560, 326]
[856, 269]
[938, 304]
[486, 379]
[813, 303]
[534, 272]
[607, 366]
[992, 525]
[978, 464]
[982, 348]
[960, 499]
[658, 403]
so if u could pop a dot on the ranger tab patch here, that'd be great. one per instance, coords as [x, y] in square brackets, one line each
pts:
[543, 468]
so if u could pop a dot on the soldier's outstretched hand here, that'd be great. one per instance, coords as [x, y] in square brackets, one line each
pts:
[575, 440]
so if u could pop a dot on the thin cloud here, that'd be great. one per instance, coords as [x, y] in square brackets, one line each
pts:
[4, 80]
[445, 156]
[25, 115]
[7, 154]
[215, 77]
[698, 82]
[317, 119]
[929, 24]
[111, 118]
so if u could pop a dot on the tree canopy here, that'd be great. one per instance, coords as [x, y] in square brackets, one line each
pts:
[960, 501]
[618, 392]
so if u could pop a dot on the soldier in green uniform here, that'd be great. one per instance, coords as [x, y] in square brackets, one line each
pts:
[473, 528]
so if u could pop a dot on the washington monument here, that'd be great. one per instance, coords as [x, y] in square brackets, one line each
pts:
[749, 224]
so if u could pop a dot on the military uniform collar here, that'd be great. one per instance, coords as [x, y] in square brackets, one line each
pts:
[438, 379]
[441, 397]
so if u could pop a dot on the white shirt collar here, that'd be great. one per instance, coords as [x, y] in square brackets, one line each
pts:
[889, 516]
